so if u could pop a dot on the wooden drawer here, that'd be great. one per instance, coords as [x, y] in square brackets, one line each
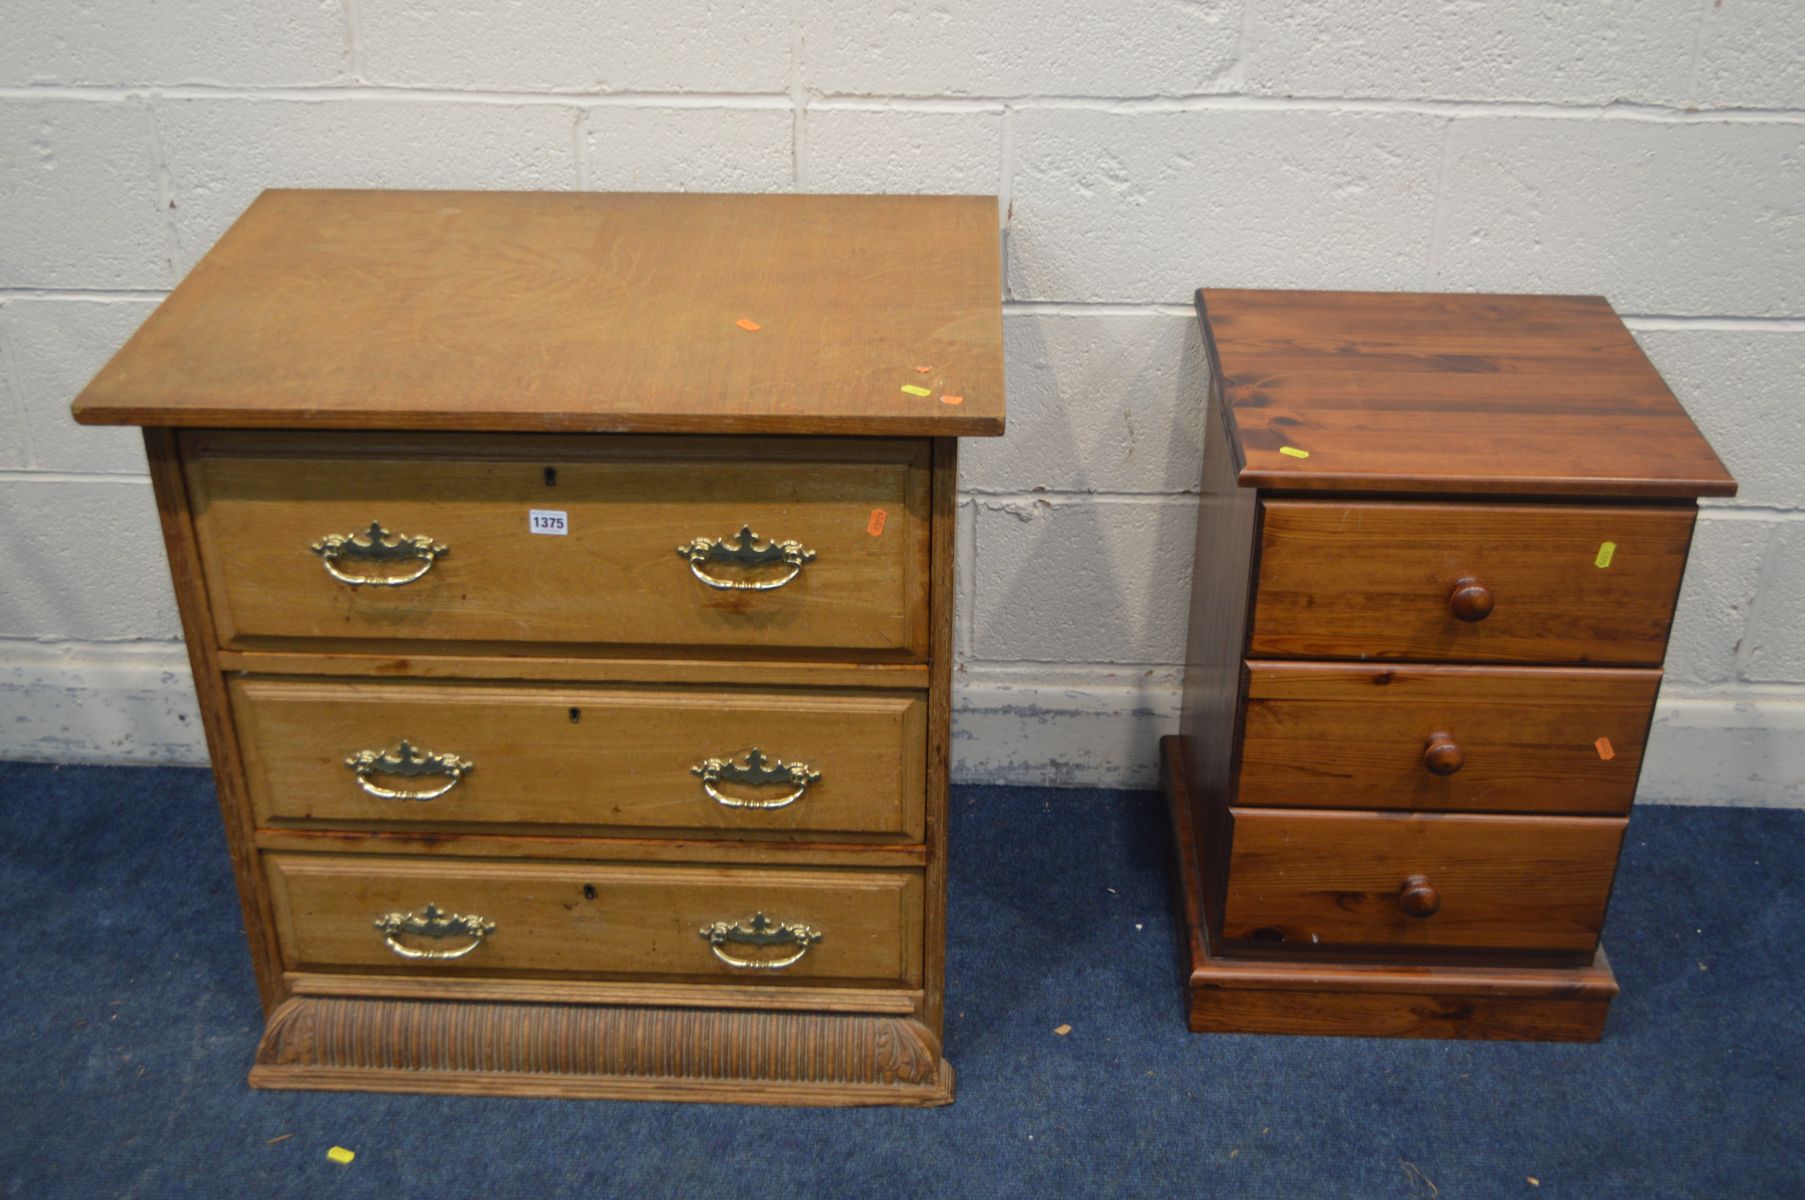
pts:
[1338, 879]
[1353, 579]
[597, 920]
[615, 576]
[583, 756]
[1346, 735]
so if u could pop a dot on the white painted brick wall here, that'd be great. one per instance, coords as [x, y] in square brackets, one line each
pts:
[1649, 150]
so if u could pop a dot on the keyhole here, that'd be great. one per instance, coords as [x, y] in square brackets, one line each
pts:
[551, 477]
[576, 714]
[589, 891]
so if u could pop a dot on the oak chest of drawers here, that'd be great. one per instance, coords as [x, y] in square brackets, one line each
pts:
[1439, 546]
[568, 585]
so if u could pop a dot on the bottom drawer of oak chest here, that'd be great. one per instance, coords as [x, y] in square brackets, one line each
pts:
[597, 920]
[1427, 881]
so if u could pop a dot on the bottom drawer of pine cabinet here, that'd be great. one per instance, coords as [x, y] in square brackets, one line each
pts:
[597, 920]
[1429, 881]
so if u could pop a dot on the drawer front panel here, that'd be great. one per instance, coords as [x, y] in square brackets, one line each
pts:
[1346, 735]
[614, 575]
[1535, 583]
[677, 760]
[597, 920]
[1355, 878]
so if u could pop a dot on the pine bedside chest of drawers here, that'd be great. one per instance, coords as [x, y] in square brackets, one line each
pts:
[1438, 550]
[568, 585]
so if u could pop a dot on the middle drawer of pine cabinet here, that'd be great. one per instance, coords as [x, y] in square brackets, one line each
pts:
[702, 761]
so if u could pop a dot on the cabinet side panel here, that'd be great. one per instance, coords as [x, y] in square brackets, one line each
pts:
[941, 558]
[1222, 574]
[216, 714]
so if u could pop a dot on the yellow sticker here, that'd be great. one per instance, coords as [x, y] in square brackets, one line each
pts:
[916, 391]
[340, 1155]
[1605, 552]
[1294, 452]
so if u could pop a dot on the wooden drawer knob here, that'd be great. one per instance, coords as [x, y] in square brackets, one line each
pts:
[1418, 897]
[1470, 599]
[1443, 756]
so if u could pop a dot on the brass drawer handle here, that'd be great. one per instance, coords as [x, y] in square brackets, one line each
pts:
[744, 552]
[756, 771]
[378, 545]
[759, 932]
[409, 763]
[433, 923]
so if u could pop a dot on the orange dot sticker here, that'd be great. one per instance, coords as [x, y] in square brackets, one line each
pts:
[1294, 452]
[748, 326]
[952, 399]
[923, 370]
[875, 526]
[1603, 746]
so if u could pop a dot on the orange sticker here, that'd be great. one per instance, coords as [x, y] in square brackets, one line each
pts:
[923, 370]
[1603, 746]
[875, 525]
[748, 326]
[952, 399]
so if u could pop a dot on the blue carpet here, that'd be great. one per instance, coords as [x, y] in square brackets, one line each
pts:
[130, 1022]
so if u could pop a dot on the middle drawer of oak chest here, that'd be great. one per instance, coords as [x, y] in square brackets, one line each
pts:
[713, 761]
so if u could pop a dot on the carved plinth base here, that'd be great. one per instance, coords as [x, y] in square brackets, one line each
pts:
[1370, 999]
[582, 1051]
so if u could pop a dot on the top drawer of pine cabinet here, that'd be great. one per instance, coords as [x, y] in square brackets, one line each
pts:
[722, 545]
[1528, 583]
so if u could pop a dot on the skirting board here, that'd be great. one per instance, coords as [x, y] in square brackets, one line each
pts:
[1041, 726]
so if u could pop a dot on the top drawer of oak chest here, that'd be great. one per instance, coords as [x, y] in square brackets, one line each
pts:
[565, 540]
[1428, 581]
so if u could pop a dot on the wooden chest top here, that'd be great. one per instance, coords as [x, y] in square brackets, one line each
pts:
[578, 312]
[1486, 394]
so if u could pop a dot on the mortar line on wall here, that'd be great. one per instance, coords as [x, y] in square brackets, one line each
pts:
[1003, 498]
[1698, 49]
[965, 557]
[1438, 216]
[579, 148]
[1653, 323]
[1094, 308]
[1718, 510]
[798, 96]
[1226, 101]
[97, 295]
[1758, 600]
[11, 369]
[1006, 199]
[17, 475]
[353, 52]
[165, 188]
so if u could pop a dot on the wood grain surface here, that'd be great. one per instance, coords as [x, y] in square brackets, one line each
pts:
[1371, 579]
[615, 577]
[585, 756]
[597, 919]
[1211, 713]
[1348, 735]
[1474, 394]
[578, 312]
[1309, 878]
